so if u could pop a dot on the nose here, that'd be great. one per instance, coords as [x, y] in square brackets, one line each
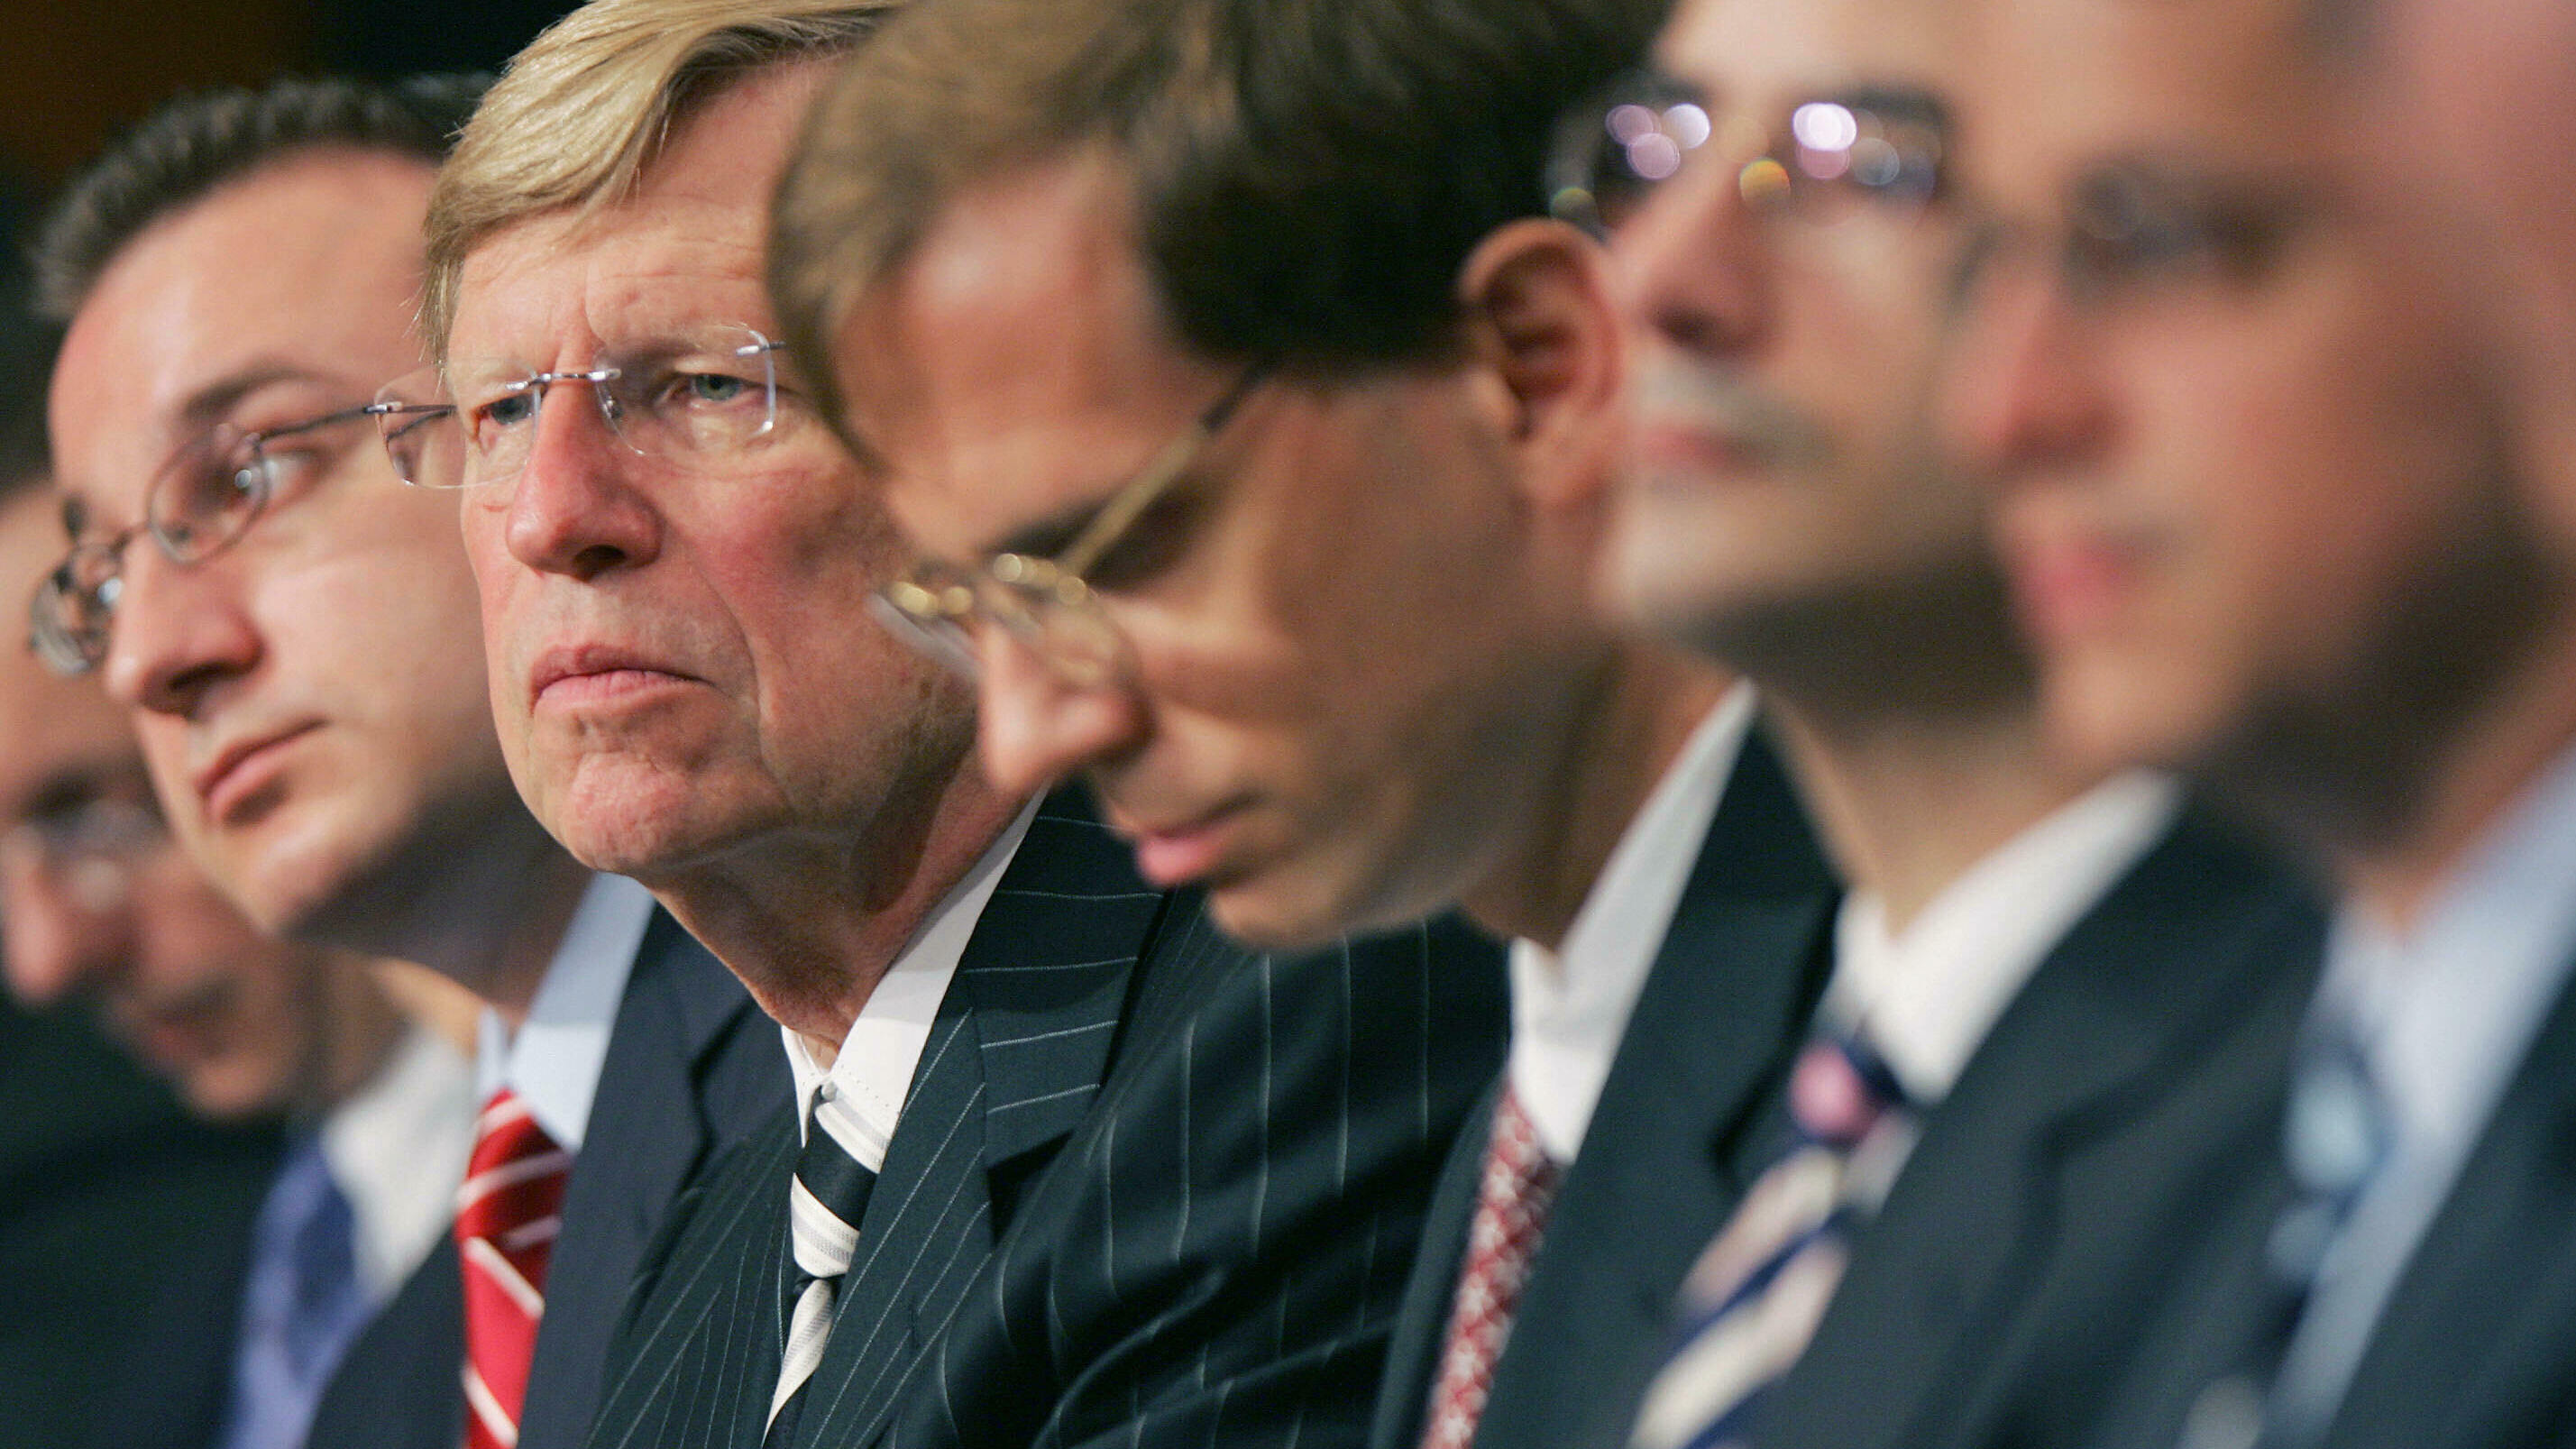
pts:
[1035, 728]
[61, 929]
[1696, 266]
[2022, 390]
[180, 632]
[575, 510]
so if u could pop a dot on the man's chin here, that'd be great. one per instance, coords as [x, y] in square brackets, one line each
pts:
[1267, 914]
[228, 1092]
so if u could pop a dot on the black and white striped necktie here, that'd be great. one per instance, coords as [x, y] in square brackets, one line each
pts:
[824, 1206]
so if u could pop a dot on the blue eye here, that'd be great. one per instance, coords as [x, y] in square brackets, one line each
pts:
[511, 409]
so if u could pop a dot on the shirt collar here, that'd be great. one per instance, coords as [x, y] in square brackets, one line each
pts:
[553, 1060]
[2446, 1013]
[1925, 999]
[873, 1070]
[1570, 1007]
[397, 1149]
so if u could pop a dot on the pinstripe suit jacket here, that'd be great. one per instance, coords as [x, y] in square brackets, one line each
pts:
[1148, 1189]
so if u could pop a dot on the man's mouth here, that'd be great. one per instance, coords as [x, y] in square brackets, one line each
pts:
[575, 675]
[242, 771]
[1184, 851]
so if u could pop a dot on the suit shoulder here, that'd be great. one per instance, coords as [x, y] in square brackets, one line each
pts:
[1227, 1238]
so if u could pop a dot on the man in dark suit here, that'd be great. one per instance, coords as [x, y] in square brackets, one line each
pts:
[1329, 654]
[690, 1069]
[101, 1165]
[100, 907]
[1065, 1165]
[2260, 504]
[294, 634]
[2058, 1007]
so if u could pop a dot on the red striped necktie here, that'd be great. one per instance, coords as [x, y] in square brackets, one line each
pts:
[507, 1215]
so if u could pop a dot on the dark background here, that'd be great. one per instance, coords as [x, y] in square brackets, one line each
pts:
[74, 72]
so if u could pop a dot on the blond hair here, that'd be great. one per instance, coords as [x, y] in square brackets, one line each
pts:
[587, 107]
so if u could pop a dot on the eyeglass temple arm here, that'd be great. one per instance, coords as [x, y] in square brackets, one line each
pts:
[362, 410]
[1121, 511]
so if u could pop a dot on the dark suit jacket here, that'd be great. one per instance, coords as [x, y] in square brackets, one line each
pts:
[2477, 1345]
[1722, 1010]
[2129, 1093]
[692, 1068]
[2477, 1348]
[124, 1241]
[1148, 1189]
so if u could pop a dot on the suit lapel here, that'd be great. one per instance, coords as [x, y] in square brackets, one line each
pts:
[2478, 1342]
[1015, 1059]
[2199, 955]
[649, 1129]
[1730, 989]
[698, 1353]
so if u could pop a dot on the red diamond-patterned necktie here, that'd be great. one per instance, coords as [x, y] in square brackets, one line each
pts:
[1512, 1202]
[507, 1215]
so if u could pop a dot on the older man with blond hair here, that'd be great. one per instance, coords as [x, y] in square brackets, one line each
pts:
[1065, 1165]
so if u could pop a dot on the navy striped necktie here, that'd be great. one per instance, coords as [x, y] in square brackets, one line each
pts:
[1755, 1296]
[825, 1204]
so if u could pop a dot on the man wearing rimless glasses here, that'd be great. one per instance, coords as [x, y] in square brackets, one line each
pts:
[1066, 1166]
[295, 636]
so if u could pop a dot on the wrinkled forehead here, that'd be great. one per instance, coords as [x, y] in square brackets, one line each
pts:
[685, 247]
[558, 289]
[2046, 91]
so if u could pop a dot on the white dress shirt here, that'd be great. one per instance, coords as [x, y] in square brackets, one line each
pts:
[873, 1069]
[397, 1149]
[1570, 1006]
[1925, 999]
[2444, 1016]
[552, 1061]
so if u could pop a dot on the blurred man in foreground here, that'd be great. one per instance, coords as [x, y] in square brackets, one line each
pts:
[1066, 1166]
[1779, 202]
[295, 636]
[2261, 515]
[97, 903]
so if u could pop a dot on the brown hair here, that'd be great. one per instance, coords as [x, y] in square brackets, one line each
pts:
[1308, 175]
[587, 107]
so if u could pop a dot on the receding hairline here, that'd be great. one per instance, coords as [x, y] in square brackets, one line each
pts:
[618, 59]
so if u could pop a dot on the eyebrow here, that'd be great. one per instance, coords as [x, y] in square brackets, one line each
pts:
[197, 412]
[209, 404]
